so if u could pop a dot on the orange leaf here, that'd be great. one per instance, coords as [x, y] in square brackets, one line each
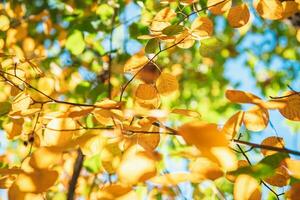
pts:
[238, 15]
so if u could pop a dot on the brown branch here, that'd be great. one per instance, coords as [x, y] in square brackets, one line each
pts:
[76, 172]
[51, 100]
[109, 56]
[261, 146]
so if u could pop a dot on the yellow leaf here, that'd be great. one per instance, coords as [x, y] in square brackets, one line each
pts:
[15, 194]
[202, 27]
[237, 96]
[238, 15]
[274, 142]
[21, 102]
[289, 8]
[298, 35]
[166, 84]
[4, 23]
[107, 117]
[256, 118]
[294, 192]
[293, 167]
[291, 110]
[59, 131]
[210, 141]
[218, 7]
[246, 188]
[205, 169]
[136, 166]
[146, 92]
[45, 157]
[46, 85]
[136, 62]
[111, 157]
[91, 143]
[14, 128]
[162, 19]
[113, 191]
[184, 40]
[203, 135]
[269, 9]
[38, 181]
[186, 112]
[173, 178]
[233, 124]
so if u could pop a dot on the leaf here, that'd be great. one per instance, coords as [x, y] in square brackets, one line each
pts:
[291, 109]
[152, 45]
[149, 73]
[218, 7]
[4, 108]
[173, 30]
[203, 135]
[202, 27]
[210, 46]
[162, 19]
[238, 96]
[114, 191]
[136, 166]
[36, 182]
[166, 84]
[210, 141]
[45, 157]
[269, 9]
[294, 192]
[274, 160]
[186, 112]
[146, 92]
[233, 124]
[47, 85]
[293, 167]
[184, 40]
[274, 142]
[75, 42]
[172, 179]
[238, 16]
[4, 23]
[289, 8]
[256, 118]
[246, 187]
[136, 62]
[21, 102]
[60, 131]
[280, 178]
[205, 169]
[93, 164]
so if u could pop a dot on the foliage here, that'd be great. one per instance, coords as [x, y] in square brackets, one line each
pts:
[96, 102]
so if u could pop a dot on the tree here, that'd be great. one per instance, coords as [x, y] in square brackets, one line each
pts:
[99, 98]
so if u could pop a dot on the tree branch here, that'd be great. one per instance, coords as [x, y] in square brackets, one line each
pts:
[261, 146]
[77, 168]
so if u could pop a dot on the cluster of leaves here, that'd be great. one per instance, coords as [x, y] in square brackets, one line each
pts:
[56, 118]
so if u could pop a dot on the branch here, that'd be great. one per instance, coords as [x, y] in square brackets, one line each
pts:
[77, 168]
[261, 146]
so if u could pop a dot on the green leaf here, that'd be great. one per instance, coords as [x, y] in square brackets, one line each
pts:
[209, 47]
[4, 107]
[152, 45]
[274, 159]
[93, 164]
[264, 168]
[75, 43]
[173, 30]
[258, 171]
